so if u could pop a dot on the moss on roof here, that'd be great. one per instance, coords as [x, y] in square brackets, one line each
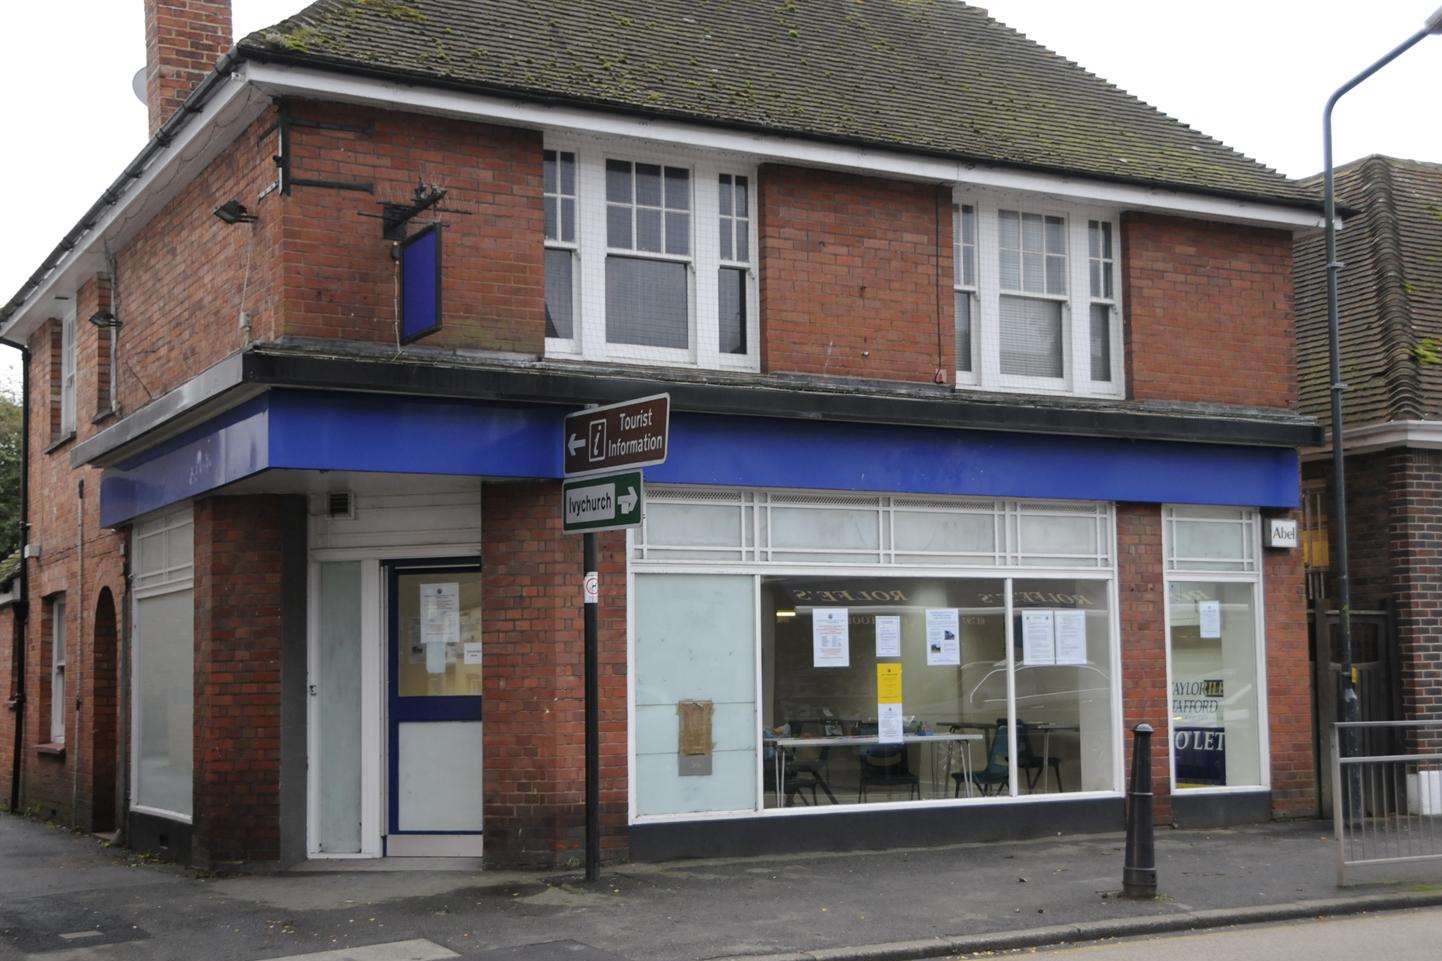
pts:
[932, 76]
[1389, 295]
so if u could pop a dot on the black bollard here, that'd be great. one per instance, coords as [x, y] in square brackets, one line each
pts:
[1139, 873]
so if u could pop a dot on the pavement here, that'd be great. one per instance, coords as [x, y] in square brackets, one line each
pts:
[1403, 936]
[67, 897]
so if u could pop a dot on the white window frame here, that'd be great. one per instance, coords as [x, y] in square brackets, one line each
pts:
[1076, 377]
[567, 344]
[67, 375]
[1008, 569]
[57, 670]
[704, 262]
[173, 576]
[1175, 569]
[1109, 264]
[960, 287]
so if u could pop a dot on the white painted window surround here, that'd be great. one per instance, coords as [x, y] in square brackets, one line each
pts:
[1025, 266]
[67, 375]
[673, 240]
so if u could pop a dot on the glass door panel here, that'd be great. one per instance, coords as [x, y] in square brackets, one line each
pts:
[435, 698]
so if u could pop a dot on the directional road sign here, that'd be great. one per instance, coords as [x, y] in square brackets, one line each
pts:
[603, 439]
[608, 503]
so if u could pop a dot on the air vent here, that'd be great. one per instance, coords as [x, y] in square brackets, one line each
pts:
[340, 504]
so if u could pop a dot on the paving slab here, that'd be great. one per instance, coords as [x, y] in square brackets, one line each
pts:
[867, 906]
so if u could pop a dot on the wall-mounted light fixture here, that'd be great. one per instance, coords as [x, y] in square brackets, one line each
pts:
[104, 319]
[234, 212]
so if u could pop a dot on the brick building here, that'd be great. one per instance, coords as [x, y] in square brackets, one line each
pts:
[1390, 301]
[981, 373]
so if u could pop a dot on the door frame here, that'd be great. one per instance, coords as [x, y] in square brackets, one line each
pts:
[375, 756]
[391, 570]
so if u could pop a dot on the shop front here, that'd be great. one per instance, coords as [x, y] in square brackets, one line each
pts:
[823, 635]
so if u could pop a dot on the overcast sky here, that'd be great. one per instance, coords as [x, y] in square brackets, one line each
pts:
[1252, 73]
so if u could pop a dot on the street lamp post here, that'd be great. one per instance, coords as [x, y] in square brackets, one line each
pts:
[1349, 706]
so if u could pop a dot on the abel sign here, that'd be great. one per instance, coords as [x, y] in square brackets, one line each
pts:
[629, 435]
[602, 503]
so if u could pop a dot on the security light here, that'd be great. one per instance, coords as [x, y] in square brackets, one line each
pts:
[104, 319]
[234, 212]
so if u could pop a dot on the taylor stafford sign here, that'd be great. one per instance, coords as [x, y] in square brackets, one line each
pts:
[602, 503]
[632, 434]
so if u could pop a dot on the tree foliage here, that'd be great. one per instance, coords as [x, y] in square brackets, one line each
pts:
[10, 431]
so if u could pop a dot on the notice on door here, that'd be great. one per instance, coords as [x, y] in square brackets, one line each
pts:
[830, 637]
[440, 622]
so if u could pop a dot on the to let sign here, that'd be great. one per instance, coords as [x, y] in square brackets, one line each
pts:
[602, 439]
[602, 503]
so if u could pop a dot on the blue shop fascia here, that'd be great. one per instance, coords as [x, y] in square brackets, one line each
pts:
[848, 599]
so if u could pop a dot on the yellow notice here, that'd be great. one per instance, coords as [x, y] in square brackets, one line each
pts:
[888, 683]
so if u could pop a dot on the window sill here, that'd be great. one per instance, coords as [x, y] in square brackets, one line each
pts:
[50, 750]
[104, 415]
[60, 442]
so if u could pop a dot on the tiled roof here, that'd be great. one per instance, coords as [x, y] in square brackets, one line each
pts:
[929, 76]
[1389, 295]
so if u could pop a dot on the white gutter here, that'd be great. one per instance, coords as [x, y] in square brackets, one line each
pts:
[281, 80]
[1417, 434]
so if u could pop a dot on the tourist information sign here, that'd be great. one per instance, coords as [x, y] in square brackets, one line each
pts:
[602, 440]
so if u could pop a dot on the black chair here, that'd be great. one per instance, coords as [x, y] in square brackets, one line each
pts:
[1034, 764]
[817, 767]
[996, 776]
[886, 766]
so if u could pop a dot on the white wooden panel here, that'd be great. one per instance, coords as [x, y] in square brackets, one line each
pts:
[448, 517]
[438, 776]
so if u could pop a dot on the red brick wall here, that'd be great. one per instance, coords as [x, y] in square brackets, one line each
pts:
[1289, 686]
[1416, 486]
[238, 630]
[1144, 642]
[534, 670]
[855, 276]
[183, 40]
[339, 278]
[80, 569]
[1208, 312]
[182, 282]
[9, 689]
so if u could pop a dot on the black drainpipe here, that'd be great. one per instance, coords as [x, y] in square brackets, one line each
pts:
[22, 606]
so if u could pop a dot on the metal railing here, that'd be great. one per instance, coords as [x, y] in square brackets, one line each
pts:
[1387, 792]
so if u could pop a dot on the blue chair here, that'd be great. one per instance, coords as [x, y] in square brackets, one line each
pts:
[996, 776]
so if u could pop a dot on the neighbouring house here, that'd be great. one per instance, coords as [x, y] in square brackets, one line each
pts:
[1390, 310]
[983, 386]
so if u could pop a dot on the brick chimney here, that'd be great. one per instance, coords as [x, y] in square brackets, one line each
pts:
[183, 40]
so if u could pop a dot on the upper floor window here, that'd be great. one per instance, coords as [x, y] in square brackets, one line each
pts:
[649, 259]
[1023, 272]
[67, 375]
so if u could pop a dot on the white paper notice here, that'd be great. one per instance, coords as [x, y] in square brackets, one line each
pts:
[943, 637]
[1209, 618]
[1071, 637]
[888, 724]
[440, 622]
[1038, 639]
[830, 637]
[888, 635]
[473, 652]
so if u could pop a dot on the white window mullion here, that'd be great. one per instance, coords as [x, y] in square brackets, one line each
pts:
[1079, 305]
[988, 330]
[706, 246]
[591, 229]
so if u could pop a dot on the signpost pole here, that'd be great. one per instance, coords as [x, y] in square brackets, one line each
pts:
[593, 729]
